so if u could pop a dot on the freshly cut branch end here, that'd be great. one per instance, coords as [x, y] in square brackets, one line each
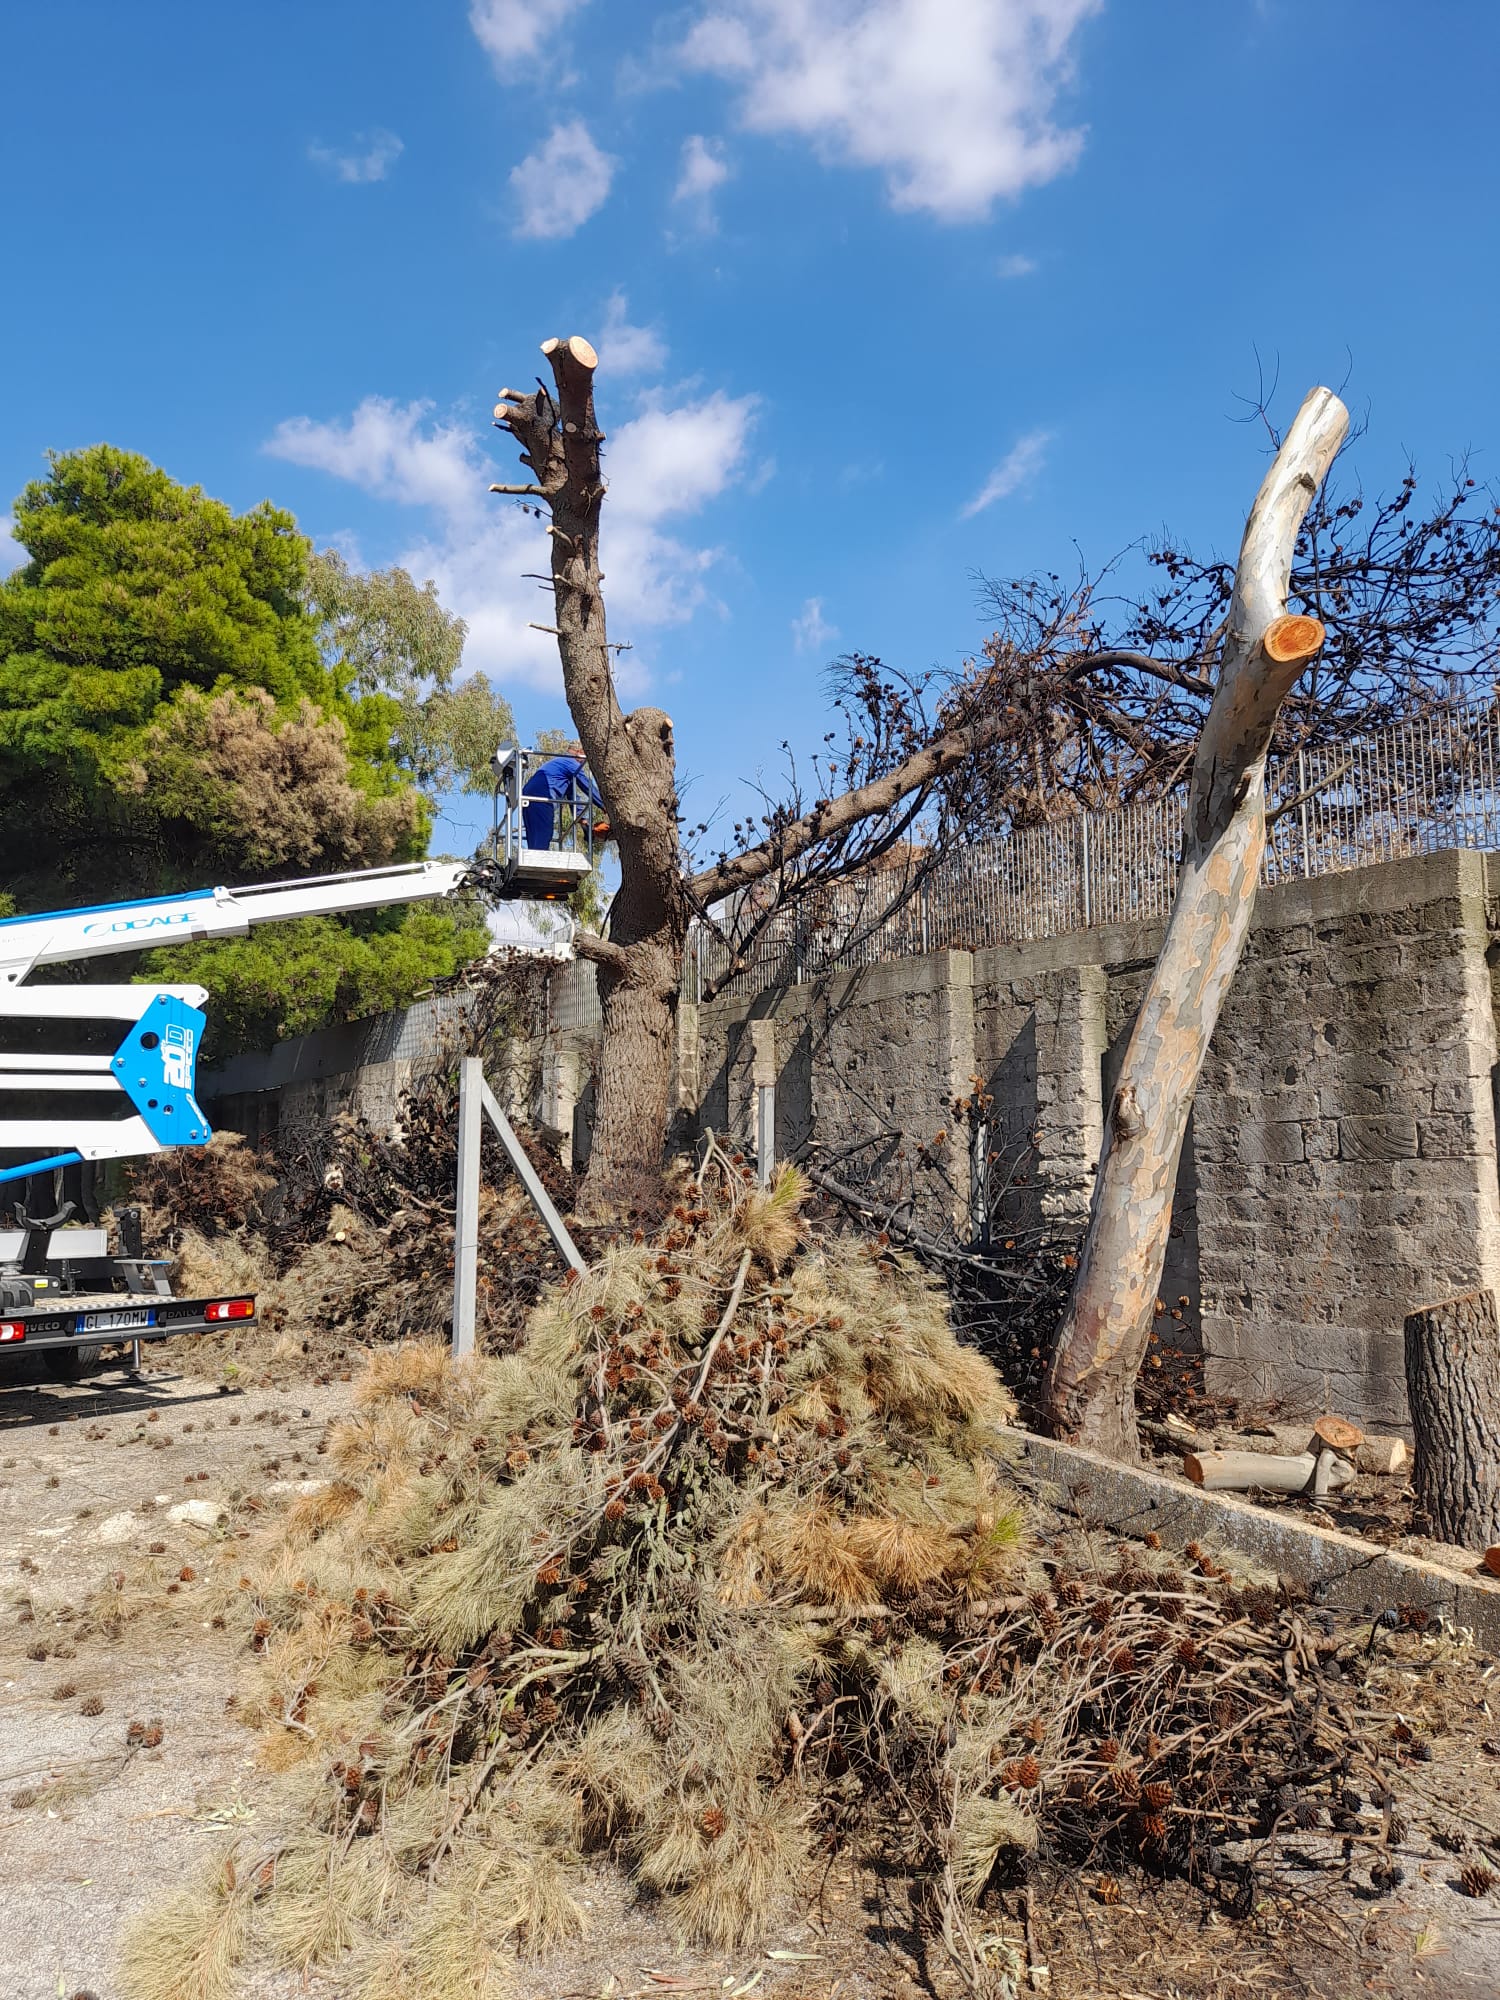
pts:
[1339, 1434]
[576, 346]
[1292, 640]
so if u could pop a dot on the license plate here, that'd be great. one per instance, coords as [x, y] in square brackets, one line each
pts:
[116, 1322]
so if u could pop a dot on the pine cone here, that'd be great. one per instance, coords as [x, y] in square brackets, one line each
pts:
[1127, 1785]
[1108, 1889]
[1107, 1752]
[1157, 1794]
[1476, 1880]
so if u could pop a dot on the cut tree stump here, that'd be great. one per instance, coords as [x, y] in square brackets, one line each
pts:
[1453, 1387]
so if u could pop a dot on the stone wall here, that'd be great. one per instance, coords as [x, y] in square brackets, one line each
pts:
[1340, 1166]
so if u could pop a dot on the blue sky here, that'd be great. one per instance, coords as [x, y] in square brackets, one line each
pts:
[886, 292]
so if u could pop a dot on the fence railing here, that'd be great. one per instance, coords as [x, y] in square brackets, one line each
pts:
[1416, 787]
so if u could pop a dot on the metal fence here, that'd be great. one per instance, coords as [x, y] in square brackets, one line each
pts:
[1414, 788]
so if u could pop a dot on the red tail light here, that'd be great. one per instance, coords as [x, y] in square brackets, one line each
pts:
[230, 1309]
[12, 1329]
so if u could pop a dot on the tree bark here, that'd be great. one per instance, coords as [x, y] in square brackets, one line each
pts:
[1101, 1344]
[1453, 1388]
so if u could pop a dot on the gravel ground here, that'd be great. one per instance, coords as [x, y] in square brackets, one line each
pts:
[91, 1476]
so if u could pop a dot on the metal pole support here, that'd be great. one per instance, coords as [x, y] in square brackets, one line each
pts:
[541, 1201]
[477, 1101]
[765, 1133]
[466, 1221]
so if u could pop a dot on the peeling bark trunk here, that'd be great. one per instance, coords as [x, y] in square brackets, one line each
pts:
[1101, 1344]
[1453, 1387]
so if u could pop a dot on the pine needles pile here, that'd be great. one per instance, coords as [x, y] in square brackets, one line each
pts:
[714, 1571]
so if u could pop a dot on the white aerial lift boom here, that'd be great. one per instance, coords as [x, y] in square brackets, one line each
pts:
[137, 1095]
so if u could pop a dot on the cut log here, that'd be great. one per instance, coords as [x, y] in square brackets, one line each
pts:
[1385, 1456]
[1238, 1471]
[1453, 1387]
[1492, 1561]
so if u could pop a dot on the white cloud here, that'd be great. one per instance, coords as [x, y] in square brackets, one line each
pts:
[703, 170]
[384, 451]
[665, 462]
[512, 29]
[12, 555]
[811, 631]
[1017, 266]
[625, 349]
[1020, 463]
[951, 99]
[370, 158]
[562, 183]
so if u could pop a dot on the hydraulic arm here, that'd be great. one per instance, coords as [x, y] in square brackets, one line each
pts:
[135, 1092]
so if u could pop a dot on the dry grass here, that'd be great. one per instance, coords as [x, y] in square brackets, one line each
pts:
[191, 1948]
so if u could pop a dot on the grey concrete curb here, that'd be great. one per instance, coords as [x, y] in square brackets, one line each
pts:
[1334, 1569]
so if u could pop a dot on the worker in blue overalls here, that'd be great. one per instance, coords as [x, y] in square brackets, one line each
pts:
[560, 781]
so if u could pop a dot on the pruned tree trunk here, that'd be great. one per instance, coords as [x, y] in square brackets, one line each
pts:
[1453, 1388]
[634, 765]
[1090, 1389]
[633, 761]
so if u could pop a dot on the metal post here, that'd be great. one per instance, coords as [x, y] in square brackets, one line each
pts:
[765, 1133]
[1085, 862]
[466, 1227]
[926, 933]
[1302, 788]
[541, 1201]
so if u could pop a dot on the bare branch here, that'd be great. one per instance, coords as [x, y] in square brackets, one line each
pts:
[835, 816]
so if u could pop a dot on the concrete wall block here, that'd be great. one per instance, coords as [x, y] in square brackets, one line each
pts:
[1267, 1141]
[1320, 1138]
[1386, 1138]
[1455, 1135]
